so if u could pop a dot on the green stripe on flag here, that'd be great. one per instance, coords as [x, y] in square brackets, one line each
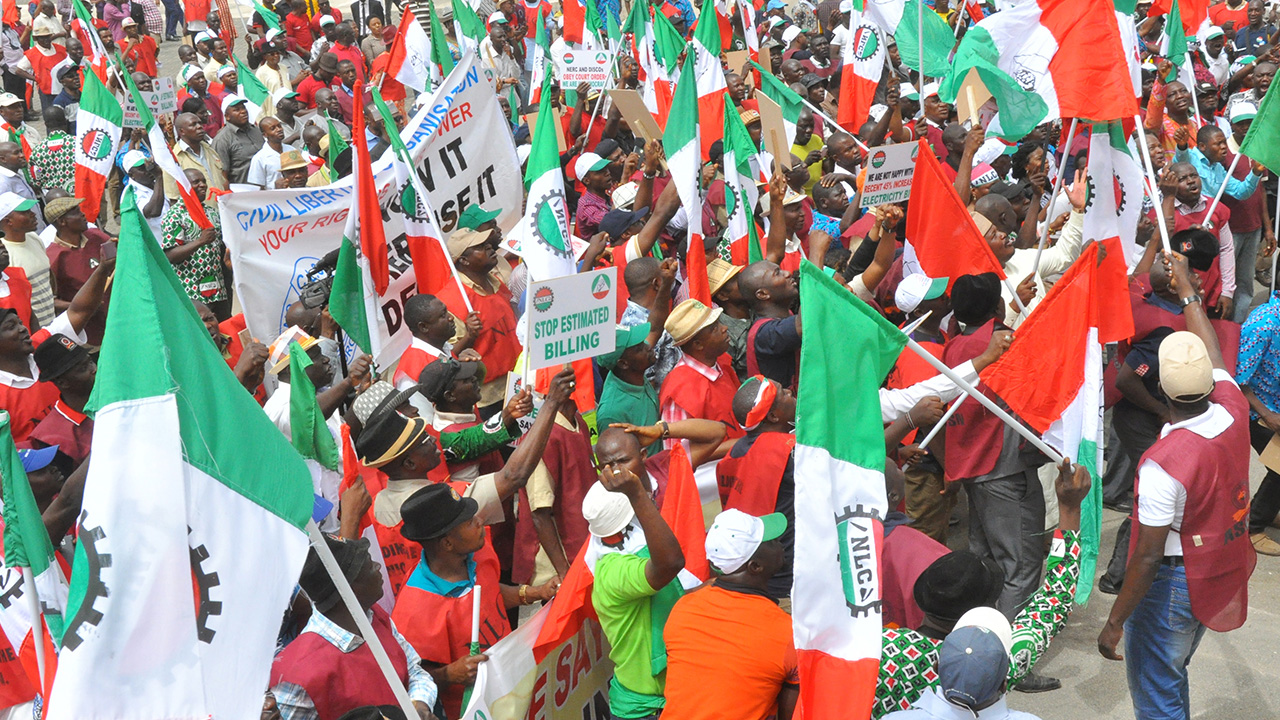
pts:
[470, 23]
[1020, 111]
[1090, 521]
[268, 16]
[96, 99]
[544, 156]
[440, 54]
[336, 144]
[155, 344]
[682, 122]
[26, 541]
[1174, 38]
[668, 43]
[309, 433]
[786, 98]
[346, 299]
[847, 350]
[1262, 142]
[251, 87]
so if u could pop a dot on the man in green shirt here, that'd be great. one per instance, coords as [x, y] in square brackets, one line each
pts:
[627, 396]
[635, 558]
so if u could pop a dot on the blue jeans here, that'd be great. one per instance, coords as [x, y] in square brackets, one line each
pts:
[174, 17]
[1161, 636]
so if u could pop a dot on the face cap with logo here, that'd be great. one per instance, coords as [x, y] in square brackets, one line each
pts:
[735, 536]
[588, 162]
[59, 355]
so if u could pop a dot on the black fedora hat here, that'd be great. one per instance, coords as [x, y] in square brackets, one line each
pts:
[956, 583]
[433, 511]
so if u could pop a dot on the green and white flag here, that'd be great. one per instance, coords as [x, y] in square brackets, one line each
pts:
[308, 432]
[840, 495]
[467, 26]
[192, 533]
[27, 545]
[269, 17]
[545, 242]
[254, 91]
[787, 99]
[681, 142]
[741, 192]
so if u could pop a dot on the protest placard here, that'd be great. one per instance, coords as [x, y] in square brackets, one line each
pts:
[889, 172]
[579, 66]
[162, 99]
[572, 318]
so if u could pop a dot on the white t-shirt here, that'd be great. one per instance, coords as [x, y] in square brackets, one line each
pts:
[264, 168]
[1162, 499]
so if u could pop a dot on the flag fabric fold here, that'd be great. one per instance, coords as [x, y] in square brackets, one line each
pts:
[1115, 190]
[164, 157]
[705, 52]
[1051, 376]
[99, 124]
[840, 497]
[682, 510]
[191, 536]
[545, 240]
[942, 238]
[411, 55]
[864, 56]
[254, 91]
[308, 432]
[1262, 142]
[684, 159]
[354, 296]
[741, 193]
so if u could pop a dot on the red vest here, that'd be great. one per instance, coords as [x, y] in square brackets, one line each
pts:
[439, 627]
[974, 435]
[497, 344]
[412, 363]
[750, 482]
[19, 297]
[911, 369]
[339, 682]
[1215, 522]
[571, 464]
[42, 67]
[703, 398]
[398, 554]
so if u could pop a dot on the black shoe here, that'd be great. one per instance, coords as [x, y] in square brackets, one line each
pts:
[1106, 586]
[1034, 683]
[172, 38]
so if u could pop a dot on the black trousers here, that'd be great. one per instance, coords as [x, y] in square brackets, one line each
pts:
[1266, 502]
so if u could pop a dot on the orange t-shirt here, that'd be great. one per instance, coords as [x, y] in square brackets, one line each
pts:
[728, 655]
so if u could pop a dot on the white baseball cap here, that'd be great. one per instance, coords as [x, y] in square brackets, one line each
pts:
[735, 536]
[497, 17]
[281, 93]
[133, 159]
[607, 513]
[624, 197]
[230, 100]
[990, 149]
[7, 99]
[587, 162]
[930, 89]
[990, 619]
[326, 20]
[907, 91]
[916, 288]
[13, 202]
[790, 34]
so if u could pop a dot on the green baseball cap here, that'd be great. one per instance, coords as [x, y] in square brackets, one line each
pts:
[475, 216]
[626, 338]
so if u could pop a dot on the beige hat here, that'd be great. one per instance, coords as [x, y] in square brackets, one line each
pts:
[292, 160]
[464, 238]
[792, 197]
[55, 209]
[720, 272]
[749, 116]
[688, 318]
[1186, 373]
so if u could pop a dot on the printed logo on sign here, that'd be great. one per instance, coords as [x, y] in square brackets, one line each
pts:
[568, 58]
[550, 220]
[600, 288]
[915, 150]
[866, 41]
[855, 530]
[878, 159]
[543, 299]
[96, 144]
[601, 58]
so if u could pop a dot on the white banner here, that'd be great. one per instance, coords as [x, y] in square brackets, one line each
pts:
[572, 681]
[462, 147]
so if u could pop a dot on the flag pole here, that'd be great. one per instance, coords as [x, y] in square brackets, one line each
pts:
[920, 49]
[964, 6]
[942, 422]
[832, 123]
[1053, 196]
[964, 385]
[362, 621]
[1150, 176]
[37, 627]
[475, 637]
[1022, 309]
[1275, 254]
[604, 91]
[1217, 197]
[1195, 102]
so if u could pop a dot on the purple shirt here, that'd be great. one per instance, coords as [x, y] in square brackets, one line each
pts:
[114, 16]
[591, 210]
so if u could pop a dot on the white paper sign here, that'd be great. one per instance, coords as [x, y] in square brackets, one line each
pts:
[572, 318]
[889, 172]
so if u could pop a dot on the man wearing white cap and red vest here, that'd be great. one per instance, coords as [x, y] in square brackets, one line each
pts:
[1192, 499]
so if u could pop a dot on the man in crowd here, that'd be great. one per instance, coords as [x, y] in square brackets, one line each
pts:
[238, 141]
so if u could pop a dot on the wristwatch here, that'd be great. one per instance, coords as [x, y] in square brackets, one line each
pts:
[1191, 299]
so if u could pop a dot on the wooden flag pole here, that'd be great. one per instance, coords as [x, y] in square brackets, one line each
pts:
[362, 621]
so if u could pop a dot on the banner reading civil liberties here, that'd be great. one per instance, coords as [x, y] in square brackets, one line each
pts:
[461, 144]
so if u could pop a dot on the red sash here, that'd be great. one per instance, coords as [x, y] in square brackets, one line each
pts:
[339, 682]
[753, 362]
[1215, 521]
[750, 483]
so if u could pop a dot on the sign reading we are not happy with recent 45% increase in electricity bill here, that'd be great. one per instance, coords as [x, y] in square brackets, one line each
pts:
[572, 318]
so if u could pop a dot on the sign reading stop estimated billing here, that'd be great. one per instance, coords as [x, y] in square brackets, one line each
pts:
[572, 318]
[889, 172]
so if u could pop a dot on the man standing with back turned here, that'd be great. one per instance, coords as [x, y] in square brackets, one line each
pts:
[1191, 497]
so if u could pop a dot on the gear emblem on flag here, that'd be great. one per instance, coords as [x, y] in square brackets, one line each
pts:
[866, 41]
[551, 217]
[859, 573]
[95, 559]
[9, 595]
[204, 581]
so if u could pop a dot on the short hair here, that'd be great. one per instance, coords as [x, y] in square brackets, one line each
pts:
[417, 308]
[639, 272]
[1204, 135]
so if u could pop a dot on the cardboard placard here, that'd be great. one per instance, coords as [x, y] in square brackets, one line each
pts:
[532, 120]
[737, 61]
[636, 113]
[775, 132]
[973, 94]
[889, 172]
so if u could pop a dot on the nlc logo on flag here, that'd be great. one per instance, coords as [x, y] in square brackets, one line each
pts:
[859, 572]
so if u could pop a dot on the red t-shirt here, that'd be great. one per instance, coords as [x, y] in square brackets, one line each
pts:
[334, 12]
[143, 54]
[307, 89]
[298, 29]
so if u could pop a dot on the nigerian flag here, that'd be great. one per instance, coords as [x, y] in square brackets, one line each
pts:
[468, 27]
[253, 90]
[192, 529]
[786, 98]
[682, 145]
[741, 193]
[840, 496]
[99, 124]
[544, 236]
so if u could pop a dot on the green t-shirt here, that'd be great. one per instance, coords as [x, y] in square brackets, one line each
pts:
[623, 402]
[621, 597]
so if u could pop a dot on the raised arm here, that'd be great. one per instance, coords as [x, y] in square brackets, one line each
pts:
[524, 459]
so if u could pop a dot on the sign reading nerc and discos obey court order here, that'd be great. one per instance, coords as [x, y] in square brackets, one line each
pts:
[572, 318]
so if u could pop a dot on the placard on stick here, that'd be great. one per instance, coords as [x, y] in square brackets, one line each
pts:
[532, 120]
[775, 132]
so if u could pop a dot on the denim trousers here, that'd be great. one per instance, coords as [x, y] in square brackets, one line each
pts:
[1161, 636]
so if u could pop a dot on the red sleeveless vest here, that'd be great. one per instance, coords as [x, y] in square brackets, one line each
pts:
[703, 398]
[19, 297]
[1215, 521]
[339, 682]
[412, 363]
[750, 482]
[497, 344]
[570, 461]
[439, 627]
[974, 435]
